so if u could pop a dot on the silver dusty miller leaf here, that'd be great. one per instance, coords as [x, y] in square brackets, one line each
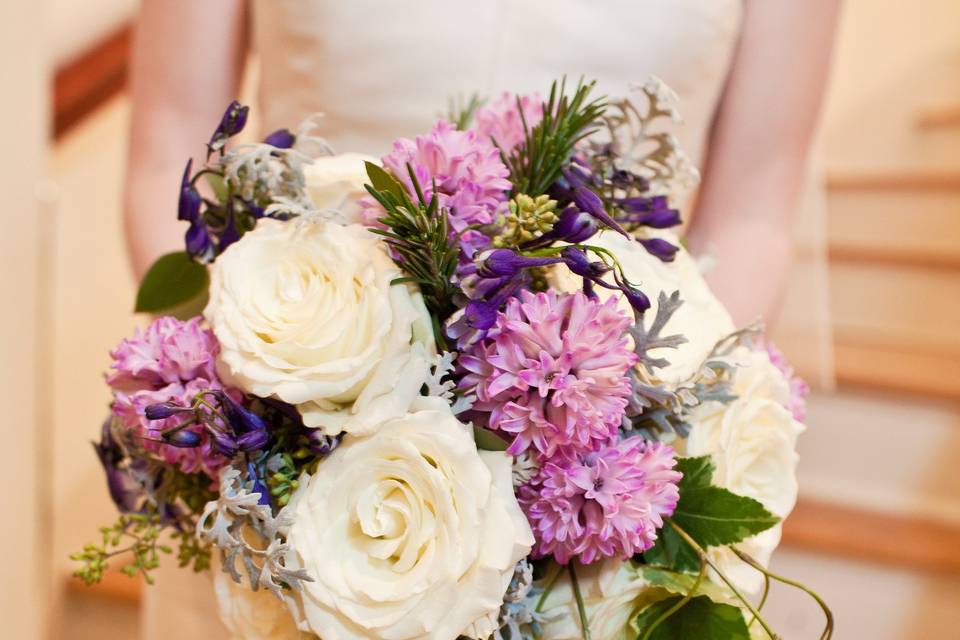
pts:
[230, 521]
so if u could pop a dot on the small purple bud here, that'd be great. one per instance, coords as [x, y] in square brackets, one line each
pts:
[589, 202]
[578, 262]
[198, 242]
[501, 263]
[574, 226]
[650, 212]
[162, 410]
[223, 444]
[252, 440]
[232, 122]
[259, 486]
[183, 439]
[320, 443]
[660, 248]
[637, 299]
[281, 139]
[188, 207]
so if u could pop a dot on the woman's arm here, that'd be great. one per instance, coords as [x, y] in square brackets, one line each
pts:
[758, 151]
[187, 63]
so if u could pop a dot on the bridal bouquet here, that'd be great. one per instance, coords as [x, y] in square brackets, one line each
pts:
[473, 389]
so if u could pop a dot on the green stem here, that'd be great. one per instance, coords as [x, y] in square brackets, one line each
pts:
[703, 554]
[679, 605]
[581, 609]
[828, 614]
[551, 583]
[763, 598]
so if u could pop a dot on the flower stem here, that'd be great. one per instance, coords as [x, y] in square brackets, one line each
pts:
[551, 583]
[581, 609]
[828, 614]
[703, 554]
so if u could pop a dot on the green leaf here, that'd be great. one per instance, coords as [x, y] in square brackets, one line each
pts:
[714, 516]
[218, 185]
[681, 584]
[383, 181]
[172, 281]
[487, 440]
[672, 552]
[699, 618]
[711, 515]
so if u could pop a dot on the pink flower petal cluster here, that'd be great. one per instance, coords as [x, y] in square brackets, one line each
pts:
[500, 120]
[471, 179]
[171, 361]
[552, 373]
[799, 389]
[605, 504]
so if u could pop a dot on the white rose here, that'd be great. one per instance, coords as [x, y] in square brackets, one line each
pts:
[409, 532]
[253, 615]
[337, 182]
[701, 319]
[753, 443]
[612, 590]
[306, 313]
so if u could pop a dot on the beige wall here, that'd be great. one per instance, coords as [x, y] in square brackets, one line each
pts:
[22, 323]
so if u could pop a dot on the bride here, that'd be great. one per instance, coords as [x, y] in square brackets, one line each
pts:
[750, 75]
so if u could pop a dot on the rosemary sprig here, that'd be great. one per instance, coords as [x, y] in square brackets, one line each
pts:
[537, 163]
[460, 113]
[419, 235]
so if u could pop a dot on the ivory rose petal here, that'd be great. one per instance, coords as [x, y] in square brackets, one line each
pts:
[306, 313]
[408, 532]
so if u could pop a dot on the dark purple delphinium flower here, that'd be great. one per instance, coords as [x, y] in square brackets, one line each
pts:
[589, 202]
[190, 200]
[654, 212]
[232, 122]
[660, 248]
[593, 273]
[125, 491]
[259, 486]
[281, 139]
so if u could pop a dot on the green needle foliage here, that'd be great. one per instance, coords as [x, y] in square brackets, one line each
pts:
[419, 235]
[537, 163]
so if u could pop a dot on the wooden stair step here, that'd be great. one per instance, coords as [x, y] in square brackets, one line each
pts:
[902, 227]
[879, 366]
[913, 543]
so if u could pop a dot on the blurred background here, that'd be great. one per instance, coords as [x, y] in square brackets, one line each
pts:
[877, 529]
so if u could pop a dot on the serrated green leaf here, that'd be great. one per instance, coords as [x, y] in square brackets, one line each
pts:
[383, 181]
[487, 440]
[714, 516]
[672, 552]
[173, 280]
[699, 618]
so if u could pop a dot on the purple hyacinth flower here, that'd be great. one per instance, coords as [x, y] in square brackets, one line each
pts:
[660, 248]
[232, 122]
[504, 263]
[188, 207]
[281, 139]
[589, 202]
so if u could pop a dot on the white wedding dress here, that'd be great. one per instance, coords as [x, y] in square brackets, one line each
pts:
[383, 69]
